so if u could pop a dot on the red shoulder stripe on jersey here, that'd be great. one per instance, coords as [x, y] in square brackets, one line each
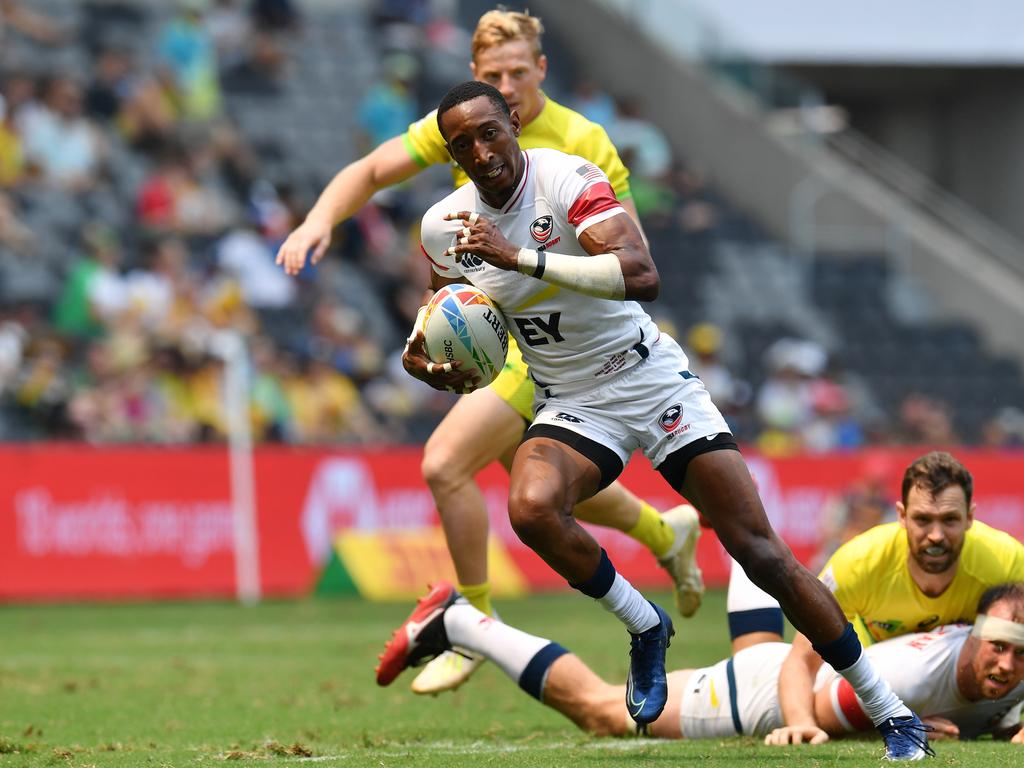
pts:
[851, 707]
[439, 266]
[595, 199]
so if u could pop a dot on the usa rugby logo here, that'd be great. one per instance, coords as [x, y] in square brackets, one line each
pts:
[670, 419]
[541, 228]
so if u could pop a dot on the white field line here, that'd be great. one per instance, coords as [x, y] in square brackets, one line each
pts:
[451, 748]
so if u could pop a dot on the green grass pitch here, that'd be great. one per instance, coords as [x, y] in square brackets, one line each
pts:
[292, 683]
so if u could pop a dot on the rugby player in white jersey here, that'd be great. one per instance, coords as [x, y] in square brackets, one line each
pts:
[487, 425]
[607, 384]
[966, 681]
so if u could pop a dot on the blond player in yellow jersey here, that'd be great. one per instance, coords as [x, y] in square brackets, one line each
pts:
[926, 570]
[487, 425]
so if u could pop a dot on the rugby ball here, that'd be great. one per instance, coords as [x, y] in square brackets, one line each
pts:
[462, 323]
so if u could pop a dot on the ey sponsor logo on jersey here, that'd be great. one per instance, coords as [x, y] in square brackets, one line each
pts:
[541, 228]
[670, 421]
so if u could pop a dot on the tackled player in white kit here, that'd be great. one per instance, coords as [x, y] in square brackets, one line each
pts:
[966, 681]
[542, 233]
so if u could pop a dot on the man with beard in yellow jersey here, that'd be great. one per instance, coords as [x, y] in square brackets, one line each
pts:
[926, 570]
[488, 424]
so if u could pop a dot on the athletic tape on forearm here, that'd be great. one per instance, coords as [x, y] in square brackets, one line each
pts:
[599, 276]
[993, 628]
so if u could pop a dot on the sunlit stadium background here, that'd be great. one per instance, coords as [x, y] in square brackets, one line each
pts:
[831, 192]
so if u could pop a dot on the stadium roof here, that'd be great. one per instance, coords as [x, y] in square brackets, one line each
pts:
[951, 32]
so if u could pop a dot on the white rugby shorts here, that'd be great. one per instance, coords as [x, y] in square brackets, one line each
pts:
[736, 696]
[657, 406]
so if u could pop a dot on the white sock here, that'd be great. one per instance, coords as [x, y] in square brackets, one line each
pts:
[876, 695]
[745, 595]
[510, 648]
[629, 605]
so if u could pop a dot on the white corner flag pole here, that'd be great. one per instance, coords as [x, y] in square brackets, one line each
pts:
[230, 347]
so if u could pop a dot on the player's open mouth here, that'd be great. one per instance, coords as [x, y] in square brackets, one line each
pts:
[996, 685]
[495, 173]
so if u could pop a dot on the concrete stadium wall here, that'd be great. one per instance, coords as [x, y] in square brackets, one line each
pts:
[960, 126]
[721, 131]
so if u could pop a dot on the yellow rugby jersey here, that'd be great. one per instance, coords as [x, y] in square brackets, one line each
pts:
[556, 127]
[871, 580]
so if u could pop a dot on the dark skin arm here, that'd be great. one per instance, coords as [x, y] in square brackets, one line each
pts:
[415, 360]
[618, 235]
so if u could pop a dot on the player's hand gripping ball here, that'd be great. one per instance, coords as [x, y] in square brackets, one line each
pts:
[462, 323]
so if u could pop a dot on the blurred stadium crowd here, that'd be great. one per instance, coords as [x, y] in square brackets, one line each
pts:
[154, 155]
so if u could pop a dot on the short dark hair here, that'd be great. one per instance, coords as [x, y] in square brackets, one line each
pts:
[467, 91]
[935, 472]
[1012, 591]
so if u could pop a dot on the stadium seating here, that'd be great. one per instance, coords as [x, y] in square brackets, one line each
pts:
[298, 123]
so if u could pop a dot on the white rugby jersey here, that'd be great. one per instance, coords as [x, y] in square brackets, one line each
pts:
[921, 668]
[565, 336]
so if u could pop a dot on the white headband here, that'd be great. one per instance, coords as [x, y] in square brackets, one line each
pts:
[993, 628]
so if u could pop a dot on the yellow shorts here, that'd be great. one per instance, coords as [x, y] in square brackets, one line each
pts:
[514, 384]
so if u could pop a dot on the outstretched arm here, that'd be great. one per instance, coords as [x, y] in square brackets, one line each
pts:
[346, 193]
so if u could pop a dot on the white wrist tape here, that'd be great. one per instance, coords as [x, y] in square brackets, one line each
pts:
[433, 368]
[599, 276]
[993, 628]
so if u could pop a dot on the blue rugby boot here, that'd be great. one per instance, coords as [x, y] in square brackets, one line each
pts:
[647, 686]
[906, 738]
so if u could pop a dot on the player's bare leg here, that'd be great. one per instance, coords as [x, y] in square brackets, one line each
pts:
[671, 537]
[479, 429]
[754, 616]
[719, 484]
[482, 427]
[541, 668]
[548, 477]
[575, 690]
[596, 707]
[616, 507]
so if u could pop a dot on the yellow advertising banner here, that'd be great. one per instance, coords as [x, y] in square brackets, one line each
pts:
[397, 565]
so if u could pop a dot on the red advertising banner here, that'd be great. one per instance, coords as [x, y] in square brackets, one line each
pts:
[81, 522]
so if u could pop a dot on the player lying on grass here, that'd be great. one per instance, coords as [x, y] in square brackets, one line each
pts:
[966, 681]
[927, 569]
